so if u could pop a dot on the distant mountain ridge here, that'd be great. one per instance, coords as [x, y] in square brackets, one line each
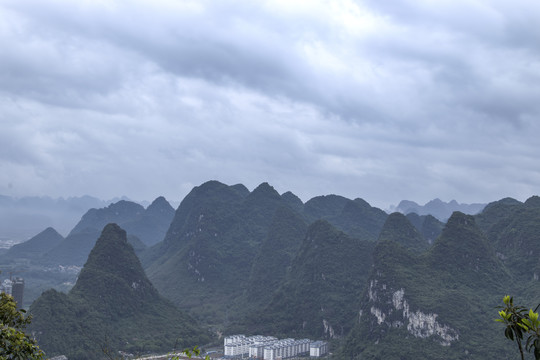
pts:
[144, 226]
[438, 208]
[23, 217]
[218, 232]
[49, 260]
[376, 285]
[35, 247]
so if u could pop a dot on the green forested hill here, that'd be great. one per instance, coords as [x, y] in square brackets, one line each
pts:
[515, 238]
[210, 247]
[378, 286]
[232, 249]
[274, 257]
[112, 306]
[436, 305]
[320, 293]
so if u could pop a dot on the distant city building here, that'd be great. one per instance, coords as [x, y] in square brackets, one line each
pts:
[14, 288]
[269, 347]
[17, 291]
[5, 286]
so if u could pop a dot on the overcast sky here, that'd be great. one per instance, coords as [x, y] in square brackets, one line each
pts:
[382, 100]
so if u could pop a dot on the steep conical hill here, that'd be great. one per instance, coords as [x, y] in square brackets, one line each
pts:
[462, 246]
[422, 306]
[321, 292]
[399, 229]
[209, 207]
[112, 305]
[210, 247]
[113, 269]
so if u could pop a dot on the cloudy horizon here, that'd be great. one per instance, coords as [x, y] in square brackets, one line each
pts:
[383, 101]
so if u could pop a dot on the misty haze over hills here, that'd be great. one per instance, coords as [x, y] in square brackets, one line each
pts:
[373, 284]
[440, 209]
[315, 116]
[24, 217]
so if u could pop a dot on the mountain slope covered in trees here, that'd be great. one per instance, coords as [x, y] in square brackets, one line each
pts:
[376, 286]
[219, 236]
[112, 307]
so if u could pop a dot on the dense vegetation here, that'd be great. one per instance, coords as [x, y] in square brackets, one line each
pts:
[112, 307]
[15, 343]
[377, 286]
[50, 261]
[329, 268]
[220, 233]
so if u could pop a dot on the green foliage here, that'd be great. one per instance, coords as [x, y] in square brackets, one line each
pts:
[452, 282]
[211, 245]
[233, 249]
[275, 256]
[14, 342]
[520, 323]
[321, 291]
[190, 353]
[399, 229]
[112, 307]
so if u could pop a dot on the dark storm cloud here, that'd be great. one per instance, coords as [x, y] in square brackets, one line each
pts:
[384, 100]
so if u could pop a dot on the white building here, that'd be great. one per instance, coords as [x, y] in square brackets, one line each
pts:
[6, 286]
[265, 347]
[241, 346]
[318, 348]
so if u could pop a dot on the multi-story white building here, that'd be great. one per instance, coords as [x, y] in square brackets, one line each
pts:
[265, 347]
[240, 345]
[318, 348]
[6, 286]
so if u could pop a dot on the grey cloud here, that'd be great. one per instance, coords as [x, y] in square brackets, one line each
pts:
[408, 100]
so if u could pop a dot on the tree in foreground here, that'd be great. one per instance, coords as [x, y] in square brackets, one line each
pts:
[520, 323]
[15, 344]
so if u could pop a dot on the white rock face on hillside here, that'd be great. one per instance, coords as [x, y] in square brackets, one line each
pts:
[390, 308]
